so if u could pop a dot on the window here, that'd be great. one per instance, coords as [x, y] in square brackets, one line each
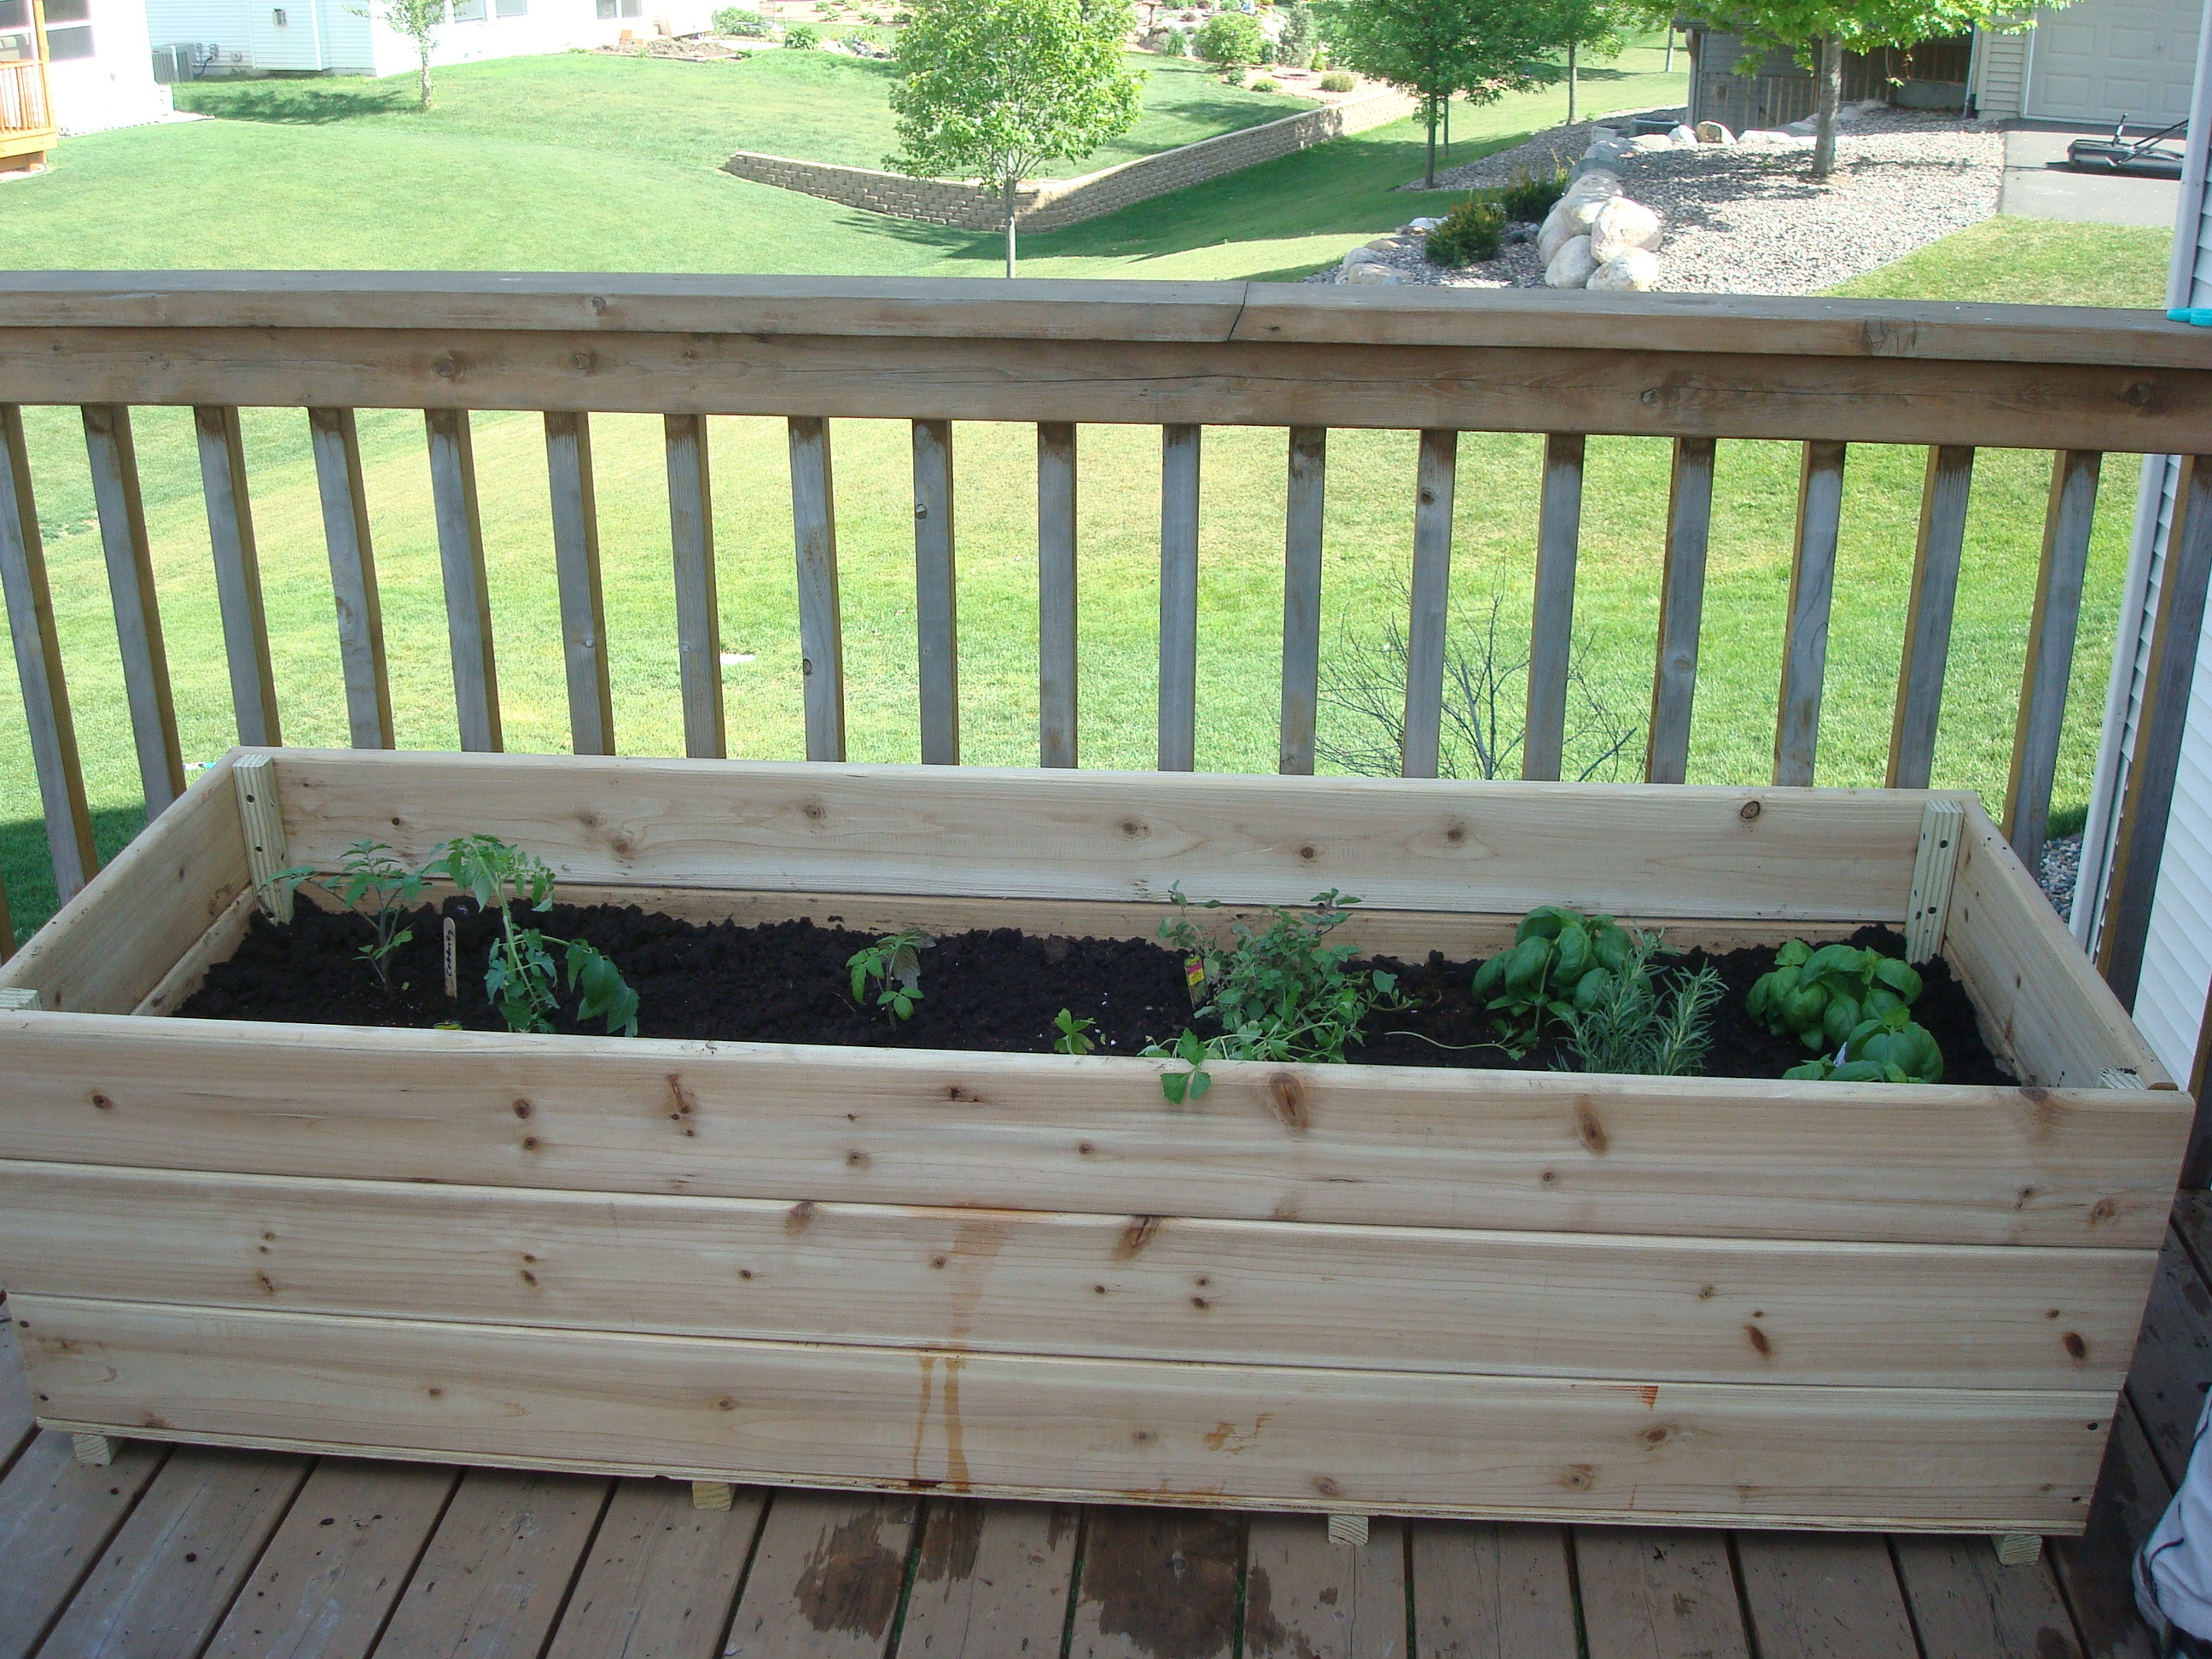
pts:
[468, 11]
[621, 8]
[514, 8]
[15, 17]
[74, 41]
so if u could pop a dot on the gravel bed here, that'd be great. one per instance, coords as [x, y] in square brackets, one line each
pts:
[1741, 220]
[2061, 863]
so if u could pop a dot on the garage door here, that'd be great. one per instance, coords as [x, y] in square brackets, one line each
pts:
[2100, 59]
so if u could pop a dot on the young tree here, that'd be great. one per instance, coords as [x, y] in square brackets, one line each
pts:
[993, 90]
[1596, 29]
[1481, 49]
[416, 22]
[1817, 33]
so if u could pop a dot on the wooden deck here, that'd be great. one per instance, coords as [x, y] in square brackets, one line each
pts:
[178, 1553]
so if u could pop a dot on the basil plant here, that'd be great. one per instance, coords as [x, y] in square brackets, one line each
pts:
[1822, 997]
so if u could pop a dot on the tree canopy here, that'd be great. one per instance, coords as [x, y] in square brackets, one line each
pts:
[993, 90]
[1477, 49]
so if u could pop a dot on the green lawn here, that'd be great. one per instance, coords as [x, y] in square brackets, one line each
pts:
[382, 191]
[822, 106]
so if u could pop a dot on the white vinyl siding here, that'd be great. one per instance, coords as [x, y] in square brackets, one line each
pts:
[2000, 74]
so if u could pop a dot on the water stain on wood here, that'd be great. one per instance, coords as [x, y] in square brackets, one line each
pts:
[1227, 1436]
[954, 1540]
[1264, 1632]
[851, 1582]
[1163, 1581]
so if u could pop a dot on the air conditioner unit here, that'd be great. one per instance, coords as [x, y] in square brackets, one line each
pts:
[176, 63]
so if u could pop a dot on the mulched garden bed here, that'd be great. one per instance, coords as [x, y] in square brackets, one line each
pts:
[995, 990]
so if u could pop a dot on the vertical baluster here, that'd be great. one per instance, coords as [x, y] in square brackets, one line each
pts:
[1056, 688]
[237, 573]
[1551, 632]
[38, 667]
[1682, 611]
[7, 926]
[1928, 620]
[468, 596]
[936, 593]
[821, 628]
[337, 441]
[2133, 880]
[1425, 641]
[1179, 456]
[698, 611]
[1812, 587]
[1302, 536]
[576, 568]
[2058, 581]
[138, 608]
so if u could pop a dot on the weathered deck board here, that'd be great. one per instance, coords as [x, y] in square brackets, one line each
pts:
[825, 1577]
[991, 1578]
[165, 1583]
[499, 1567]
[1966, 1605]
[662, 1575]
[2174, 1359]
[1309, 1597]
[56, 1517]
[1484, 1590]
[335, 1569]
[1157, 1584]
[1658, 1593]
[1824, 1595]
[2131, 1493]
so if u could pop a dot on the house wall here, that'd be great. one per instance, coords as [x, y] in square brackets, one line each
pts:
[333, 35]
[2000, 74]
[114, 87]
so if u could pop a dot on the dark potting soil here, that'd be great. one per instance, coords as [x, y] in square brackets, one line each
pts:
[995, 990]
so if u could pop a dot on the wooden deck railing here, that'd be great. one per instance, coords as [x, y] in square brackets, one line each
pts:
[23, 105]
[1697, 369]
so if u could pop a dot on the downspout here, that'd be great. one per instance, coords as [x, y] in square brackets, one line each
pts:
[2108, 782]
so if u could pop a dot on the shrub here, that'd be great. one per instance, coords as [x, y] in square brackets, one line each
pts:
[1263, 84]
[1233, 76]
[1296, 41]
[735, 20]
[1531, 196]
[1231, 39]
[1176, 43]
[802, 37]
[1336, 80]
[1471, 233]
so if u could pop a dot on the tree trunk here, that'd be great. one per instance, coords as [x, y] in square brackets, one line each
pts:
[1429, 177]
[1570, 83]
[1669, 69]
[423, 70]
[1831, 81]
[1011, 184]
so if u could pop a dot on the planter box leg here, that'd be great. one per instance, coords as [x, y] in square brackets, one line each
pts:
[2017, 1549]
[94, 1450]
[1347, 1529]
[715, 1496]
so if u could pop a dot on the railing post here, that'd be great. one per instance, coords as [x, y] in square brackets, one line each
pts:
[1812, 588]
[137, 607]
[2133, 882]
[336, 440]
[1682, 611]
[237, 574]
[461, 556]
[1178, 706]
[2067, 521]
[821, 627]
[38, 667]
[576, 570]
[936, 593]
[1302, 544]
[1425, 639]
[1551, 627]
[698, 611]
[1056, 587]
[1928, 620]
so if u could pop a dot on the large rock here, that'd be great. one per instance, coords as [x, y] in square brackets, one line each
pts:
[1712, 132]
[1556, 234]
[1571, 266]
[1622, 225]
[1682, 138]
[1637, 269]
[1598, 181]
[1365, 256]
[1650, 144]
[1372, 275]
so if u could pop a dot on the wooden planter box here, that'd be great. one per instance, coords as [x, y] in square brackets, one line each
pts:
[1438, 1291]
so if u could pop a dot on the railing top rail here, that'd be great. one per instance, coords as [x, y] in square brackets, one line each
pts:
[1054, 310]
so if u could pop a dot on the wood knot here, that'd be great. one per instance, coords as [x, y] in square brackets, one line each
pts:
[2075, 1345]
[1590, 1128]
[1288, 1096]
[1657, 1435]
[530, 1143]
[1135, 828]
[1456, 834]
[1135, 1235]
[523, 1109]
[1759, 1340]
[1578, 1477]
[1748, 810]
[800, 1218]
[1326, 1488]
[726, 1404]
[2103, 1210]
[1308, 853]
[857, 1159]
[100, 1102]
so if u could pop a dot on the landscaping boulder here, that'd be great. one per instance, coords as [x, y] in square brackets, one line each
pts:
[1370, 275]
[1636, 269]
[1365, 256]
[1651, 143]
[1622, 225]
[1682, 138]
[1571, 266]
[1598, 181]
[1424, 225]
[1712, 132]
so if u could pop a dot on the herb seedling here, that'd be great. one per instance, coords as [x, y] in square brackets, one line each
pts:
[1822, 996]
[1283, 993]
[895, 963]
[1645, 1022]
[1887, 1048]
[1560, 961]
[376, 887]
[1074, 1036]
[521, 977]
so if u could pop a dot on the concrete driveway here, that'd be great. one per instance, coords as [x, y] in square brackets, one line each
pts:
[2038, 185]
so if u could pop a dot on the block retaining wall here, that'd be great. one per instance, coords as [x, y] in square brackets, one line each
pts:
[1049, 204]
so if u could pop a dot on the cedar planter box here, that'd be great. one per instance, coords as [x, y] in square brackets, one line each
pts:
[1427, 1291]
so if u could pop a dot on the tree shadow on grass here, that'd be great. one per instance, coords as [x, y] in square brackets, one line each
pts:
[28, 866]
[293, 104]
